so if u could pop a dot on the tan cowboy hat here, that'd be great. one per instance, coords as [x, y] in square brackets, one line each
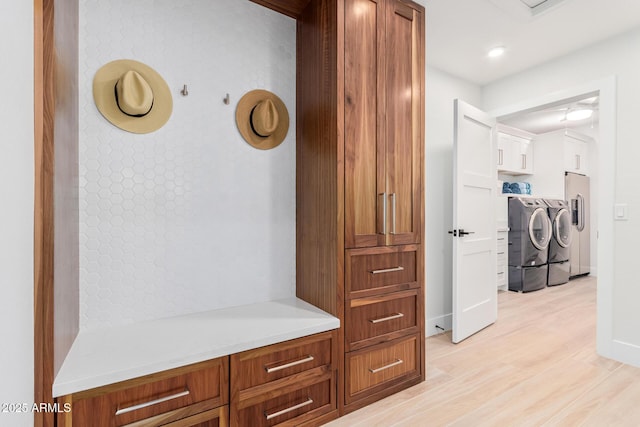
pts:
[132, 96]
[262, 119]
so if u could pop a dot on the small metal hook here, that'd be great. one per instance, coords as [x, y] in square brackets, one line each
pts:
[226, 99]
[184, 91]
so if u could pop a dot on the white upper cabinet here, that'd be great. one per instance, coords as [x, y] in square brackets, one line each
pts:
[515, 151]
[576, 151]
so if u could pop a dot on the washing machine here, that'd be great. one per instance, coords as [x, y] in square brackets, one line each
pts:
[529, 237]
[560, 245]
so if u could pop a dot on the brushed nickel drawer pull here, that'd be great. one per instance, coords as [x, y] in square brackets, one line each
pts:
[386, 319]
[390, 365]
[152, 402]
[288, 365]
[309, 401]
[388, 270]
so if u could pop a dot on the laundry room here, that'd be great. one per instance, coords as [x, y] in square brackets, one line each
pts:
[547, 194]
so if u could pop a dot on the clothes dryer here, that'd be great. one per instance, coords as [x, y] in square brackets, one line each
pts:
[529, 238]
[560, 245]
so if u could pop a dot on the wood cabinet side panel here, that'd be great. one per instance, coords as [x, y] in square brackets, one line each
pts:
[319, 160]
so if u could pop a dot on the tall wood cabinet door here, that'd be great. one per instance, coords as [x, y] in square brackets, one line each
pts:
[365, 197]
[404, 121]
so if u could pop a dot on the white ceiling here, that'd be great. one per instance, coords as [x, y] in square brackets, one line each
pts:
[549, 118]
[460, 32]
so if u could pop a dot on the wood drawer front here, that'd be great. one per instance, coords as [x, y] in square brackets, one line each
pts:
[204, 385]
[378, 319]
[381, 269]
[375, 368]
[217, 417]
[289, 409]
[266, 364]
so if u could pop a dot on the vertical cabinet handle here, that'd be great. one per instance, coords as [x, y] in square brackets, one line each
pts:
[268, 416]
[393, 213]
[152, 402]
[577, 161]
[524, 161]
[384, 213]
[500, 157]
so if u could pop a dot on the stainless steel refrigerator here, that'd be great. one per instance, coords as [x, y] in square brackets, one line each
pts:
[576, 192]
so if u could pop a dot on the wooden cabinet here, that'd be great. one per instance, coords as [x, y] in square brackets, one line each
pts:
[194, 395]
[515, 151]
[382, 118]
[373, 320]
[383, 269]
[378, 369]
[360, 195]
[291, 383]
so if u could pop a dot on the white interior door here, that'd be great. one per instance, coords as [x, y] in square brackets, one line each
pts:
[474, 199]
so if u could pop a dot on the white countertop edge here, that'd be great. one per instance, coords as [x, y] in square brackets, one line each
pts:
[74, 376]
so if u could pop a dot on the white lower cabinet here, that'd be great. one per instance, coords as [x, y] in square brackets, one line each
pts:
[502, 259]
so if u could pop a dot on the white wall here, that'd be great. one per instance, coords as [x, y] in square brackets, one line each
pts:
[618, 56]
[441, 90]
[16, 214]
[190, 217]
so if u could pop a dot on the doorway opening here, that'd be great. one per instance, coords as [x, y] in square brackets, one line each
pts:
[535, 116]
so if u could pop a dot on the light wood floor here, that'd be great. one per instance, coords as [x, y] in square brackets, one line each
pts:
[536, 366]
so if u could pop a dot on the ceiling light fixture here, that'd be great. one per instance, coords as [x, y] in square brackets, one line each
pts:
[496, 52]
[579, 114]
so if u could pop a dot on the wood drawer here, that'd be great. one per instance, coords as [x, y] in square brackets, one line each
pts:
[378, 319]
[383, 269]
[289, 408]
[377, 368]
[266, 364]
[218, 417]
[155, 399]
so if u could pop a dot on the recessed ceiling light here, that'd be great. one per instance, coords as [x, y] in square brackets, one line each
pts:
[496, 52]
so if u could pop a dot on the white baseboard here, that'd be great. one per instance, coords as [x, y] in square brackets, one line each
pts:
[625, 352]
[443, 322]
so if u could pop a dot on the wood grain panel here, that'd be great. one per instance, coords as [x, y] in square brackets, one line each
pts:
[313, 400]
[44, 112]
[217, 417]
[376, 368]
[362, 263]
[320, 160]
[364, 116]
[249, 368]
[205, 382]
[378, 319]
[405, 117]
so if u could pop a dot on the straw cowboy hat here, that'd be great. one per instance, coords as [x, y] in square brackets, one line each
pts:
[132, 96]
[262, 119]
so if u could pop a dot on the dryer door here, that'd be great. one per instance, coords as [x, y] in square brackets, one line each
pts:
[562, 228]
[540, 229]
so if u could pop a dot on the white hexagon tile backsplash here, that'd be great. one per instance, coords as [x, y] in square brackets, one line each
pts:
[190, 217]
